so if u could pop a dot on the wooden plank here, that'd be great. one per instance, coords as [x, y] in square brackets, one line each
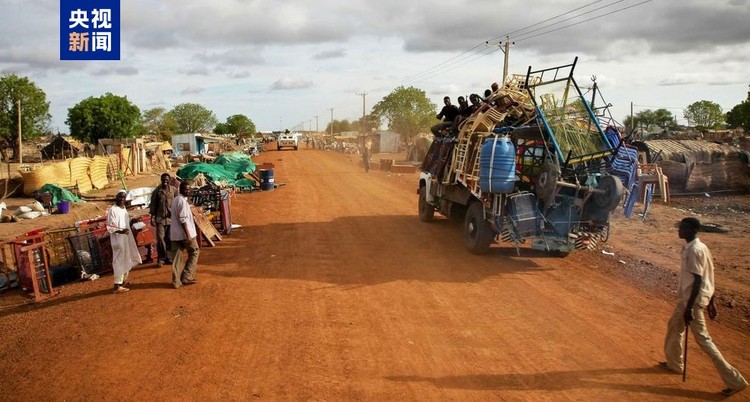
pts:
[205, 225]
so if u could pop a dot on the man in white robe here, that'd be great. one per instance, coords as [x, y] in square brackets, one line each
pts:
[125, 253]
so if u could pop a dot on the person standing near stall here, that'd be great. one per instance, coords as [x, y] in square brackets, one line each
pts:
[184, 237]
[125, 253]
[160, 210]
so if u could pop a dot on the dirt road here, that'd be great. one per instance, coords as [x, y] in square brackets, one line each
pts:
[334, 290]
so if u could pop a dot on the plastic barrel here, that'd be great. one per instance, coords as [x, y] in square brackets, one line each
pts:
[266, 179]
[497, 165]
[63, 207]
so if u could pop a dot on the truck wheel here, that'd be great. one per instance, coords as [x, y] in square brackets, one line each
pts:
[457, 213]
[613, 191]
[295, 147]
[477, 232]
[426, 211]
[278, 148]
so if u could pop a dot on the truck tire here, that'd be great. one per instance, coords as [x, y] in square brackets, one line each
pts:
[613, 191]
[477, 232]
[457, 213]
[426, 211]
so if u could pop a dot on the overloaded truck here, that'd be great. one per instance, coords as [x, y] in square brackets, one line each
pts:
[537, 162]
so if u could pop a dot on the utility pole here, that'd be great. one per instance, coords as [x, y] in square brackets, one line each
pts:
[331, 109]
[506, 51]
[364, 125]
[316, 124]
[20, 142]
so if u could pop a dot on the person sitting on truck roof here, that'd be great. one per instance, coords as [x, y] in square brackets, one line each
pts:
[464, 110]
[447, 114]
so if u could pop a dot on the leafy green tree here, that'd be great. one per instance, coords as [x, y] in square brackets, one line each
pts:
[35, 117]
[221, 128]
[192, 118]
[739, 116]
[239, 124]
[704, 115]
[156, 121]
[365, 124]
[645, 120]
[339, 126]
[663, 118]
[407, 111]
[108, 116]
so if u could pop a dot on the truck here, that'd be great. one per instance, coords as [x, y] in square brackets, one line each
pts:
[535, 163]
[287, 139]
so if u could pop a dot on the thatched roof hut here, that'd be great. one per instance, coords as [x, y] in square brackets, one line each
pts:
[59, 148]
[699, 166]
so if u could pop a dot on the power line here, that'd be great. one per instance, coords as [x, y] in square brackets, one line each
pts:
[450, 62]
[660, 107]
[570, 18]
[453, 63]
[548, 19]
[464, 61]
[586, 20]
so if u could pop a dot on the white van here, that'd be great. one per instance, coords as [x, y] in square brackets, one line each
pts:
[287, 140]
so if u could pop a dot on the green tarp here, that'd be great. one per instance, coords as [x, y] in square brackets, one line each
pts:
[230, 168]
[59, 194]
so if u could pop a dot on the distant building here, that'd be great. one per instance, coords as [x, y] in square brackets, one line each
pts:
[193, 143]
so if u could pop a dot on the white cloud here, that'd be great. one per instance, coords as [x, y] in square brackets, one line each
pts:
[291, 83]
[215, 52]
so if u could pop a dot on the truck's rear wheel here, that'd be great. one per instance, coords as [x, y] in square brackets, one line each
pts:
[426, 211]
[477, 231]
[457, 213]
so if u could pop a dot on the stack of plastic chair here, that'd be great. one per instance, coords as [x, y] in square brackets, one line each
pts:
[624, 165]
[650, 173]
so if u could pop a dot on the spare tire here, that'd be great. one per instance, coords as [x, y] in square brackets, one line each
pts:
[612, 193]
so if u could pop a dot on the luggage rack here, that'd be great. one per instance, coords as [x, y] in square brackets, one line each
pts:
[566, 116]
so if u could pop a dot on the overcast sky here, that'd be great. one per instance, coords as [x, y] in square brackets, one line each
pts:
[283, 62]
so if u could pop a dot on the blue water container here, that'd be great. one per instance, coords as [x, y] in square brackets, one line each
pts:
[497, 165]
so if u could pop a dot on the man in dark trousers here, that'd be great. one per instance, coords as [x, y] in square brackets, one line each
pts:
[696, 289]
[184, 237]
[447, 114]
[160, 209]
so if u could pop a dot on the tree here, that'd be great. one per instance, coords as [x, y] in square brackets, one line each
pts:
[239, 124]
[407, 110]
[739, 116]
[646, 119]
[35, 117]
[339, 126]
[365, 124]
[157, 122]
[108, 116]
[704, 115]
[192, 118]
[663, 118]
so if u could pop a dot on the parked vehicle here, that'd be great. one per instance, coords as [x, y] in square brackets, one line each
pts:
[534, 163]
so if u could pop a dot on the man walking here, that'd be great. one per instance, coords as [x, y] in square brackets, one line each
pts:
[696, 289]
[184, 237]
[125, 253]
[159, 208]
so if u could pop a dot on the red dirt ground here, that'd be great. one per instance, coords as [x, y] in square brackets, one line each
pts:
[334, 290]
